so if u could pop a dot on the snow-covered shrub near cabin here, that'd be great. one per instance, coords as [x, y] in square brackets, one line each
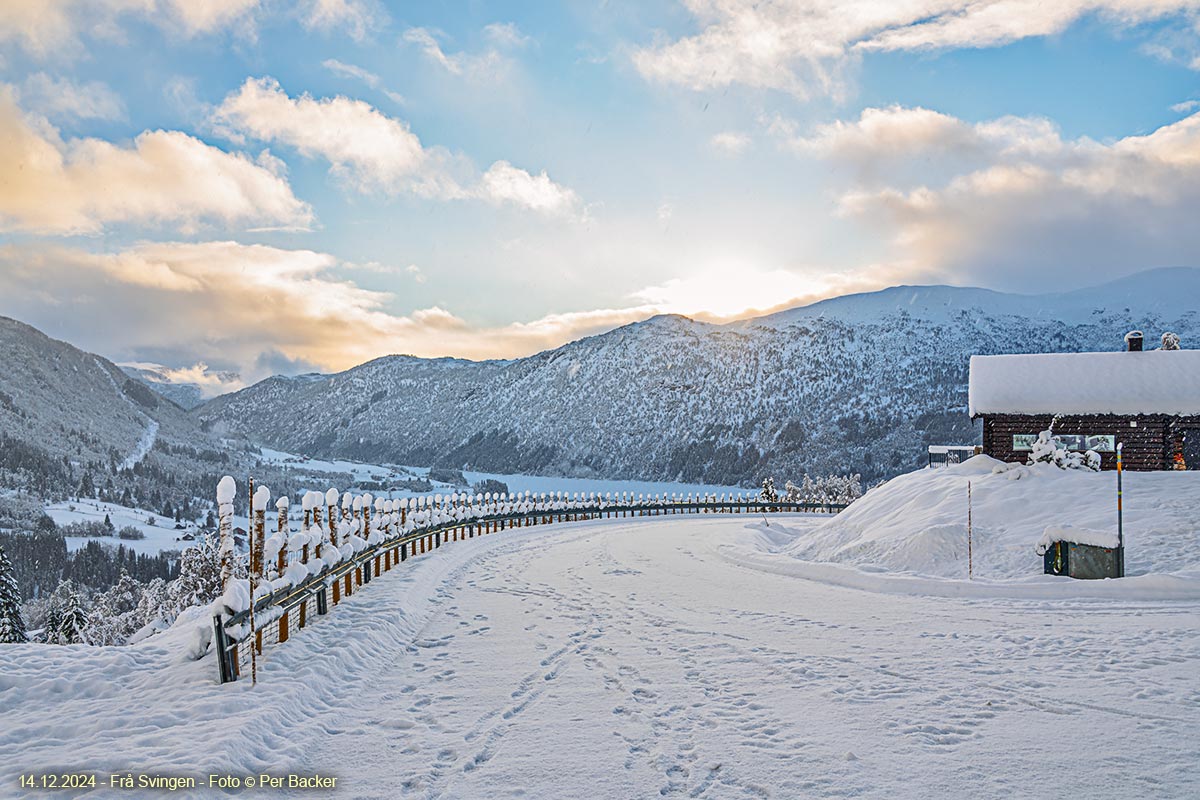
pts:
[828, 490]
[1049, 450]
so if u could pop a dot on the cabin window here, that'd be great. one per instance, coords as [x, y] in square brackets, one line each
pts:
[1101, 443]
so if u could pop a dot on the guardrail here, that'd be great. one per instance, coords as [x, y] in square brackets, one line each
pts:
[293, 575]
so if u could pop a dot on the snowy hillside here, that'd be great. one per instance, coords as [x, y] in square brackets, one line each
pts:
[72, 423]
[917, 523]
[859, 383]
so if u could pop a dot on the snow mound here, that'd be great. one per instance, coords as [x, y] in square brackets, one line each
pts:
[1074, 535]
[917, 523]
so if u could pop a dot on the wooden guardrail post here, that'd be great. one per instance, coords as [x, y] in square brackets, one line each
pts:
[331, 499]
[281, 559]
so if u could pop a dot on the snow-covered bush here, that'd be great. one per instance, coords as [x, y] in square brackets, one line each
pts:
[827, 490]
[1049, 450]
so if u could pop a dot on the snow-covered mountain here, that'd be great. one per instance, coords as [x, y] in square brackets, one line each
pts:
[66, 414]
[185, 395]
[858, 383]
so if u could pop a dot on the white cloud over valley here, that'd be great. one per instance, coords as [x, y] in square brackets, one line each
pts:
[53, 185]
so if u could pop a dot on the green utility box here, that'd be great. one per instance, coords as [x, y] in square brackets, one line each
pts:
[1084, 561]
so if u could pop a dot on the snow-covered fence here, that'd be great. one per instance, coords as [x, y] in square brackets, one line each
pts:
[341, 546]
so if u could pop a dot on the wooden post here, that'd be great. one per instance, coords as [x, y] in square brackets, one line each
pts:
[281, 530]
[226, 490]
[318, 527]
[252, 578]
[331, 497]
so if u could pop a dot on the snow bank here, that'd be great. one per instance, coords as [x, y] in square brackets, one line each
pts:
[1074, 535]
[917, 523]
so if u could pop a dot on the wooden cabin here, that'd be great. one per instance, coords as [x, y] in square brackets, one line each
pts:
[1146, 401]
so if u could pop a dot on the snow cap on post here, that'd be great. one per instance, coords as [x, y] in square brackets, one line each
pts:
[357, 503]
[282, 503]
[331, 497]
[262, 496]
[347, 500]
[226, 490]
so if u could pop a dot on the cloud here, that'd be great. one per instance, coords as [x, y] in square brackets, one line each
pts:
[373, 152]
[46, 27]
[412, 270]
[255, 310]
[1186, 107]
[730, 143]
[211, 382]
[56, 186]
[62, 98]
[488, 65]
[246, 306]
[506, 34]
[804, 47]
[504, 183]
[358, 73]
[367, 148]
[356, 16]
[1011, 202]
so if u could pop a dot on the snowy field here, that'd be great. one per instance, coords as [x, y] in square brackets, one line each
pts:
[657, 657]
[159, 536]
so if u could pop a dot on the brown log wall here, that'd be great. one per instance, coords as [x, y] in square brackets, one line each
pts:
[1148, 445]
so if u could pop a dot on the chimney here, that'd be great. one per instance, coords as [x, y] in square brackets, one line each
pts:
[1133, 341]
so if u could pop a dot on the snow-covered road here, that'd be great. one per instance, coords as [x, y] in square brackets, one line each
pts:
[643, 658]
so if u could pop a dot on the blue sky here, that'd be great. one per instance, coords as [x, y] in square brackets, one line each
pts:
[253, 186]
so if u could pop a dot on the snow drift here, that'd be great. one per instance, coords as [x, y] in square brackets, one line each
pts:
[917, 523]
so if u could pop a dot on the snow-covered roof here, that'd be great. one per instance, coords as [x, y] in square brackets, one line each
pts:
[1151, 382]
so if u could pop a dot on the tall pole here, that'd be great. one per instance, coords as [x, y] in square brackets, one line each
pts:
[1120, 518]
[250, 537]
[970, 561]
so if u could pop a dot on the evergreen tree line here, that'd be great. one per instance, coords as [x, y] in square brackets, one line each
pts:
[125, 611]
[40, 561]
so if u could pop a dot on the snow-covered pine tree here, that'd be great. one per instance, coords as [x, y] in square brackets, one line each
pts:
[12, 625]
[72, 621]
[113, 616]
[769, 494]
[200, 577]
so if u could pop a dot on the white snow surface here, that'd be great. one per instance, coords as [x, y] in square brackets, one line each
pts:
[637, 658]
[917, 523]
[160, 536]
[1076, 535]
[1149, 382]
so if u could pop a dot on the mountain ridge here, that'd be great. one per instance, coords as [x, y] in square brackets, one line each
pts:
[853, 384]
